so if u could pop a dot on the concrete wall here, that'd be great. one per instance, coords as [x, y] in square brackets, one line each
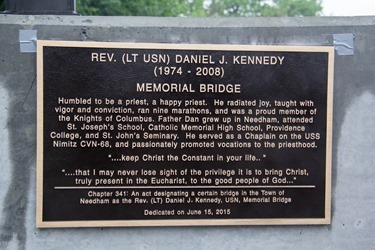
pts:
[353, 209]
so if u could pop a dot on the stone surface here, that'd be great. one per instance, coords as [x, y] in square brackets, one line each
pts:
[353, 203]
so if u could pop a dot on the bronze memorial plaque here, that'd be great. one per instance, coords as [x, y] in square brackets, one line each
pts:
[183, 134]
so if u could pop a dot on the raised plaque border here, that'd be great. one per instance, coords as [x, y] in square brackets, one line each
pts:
[183, 222]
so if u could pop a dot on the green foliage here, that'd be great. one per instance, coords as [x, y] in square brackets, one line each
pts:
[132, 8]
[234, 8]
[245, 8]
[103, 8]
[200, 8]
[197, 8]
[293, 8]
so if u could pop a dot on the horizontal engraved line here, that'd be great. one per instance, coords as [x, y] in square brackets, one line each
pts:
[181, 187]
